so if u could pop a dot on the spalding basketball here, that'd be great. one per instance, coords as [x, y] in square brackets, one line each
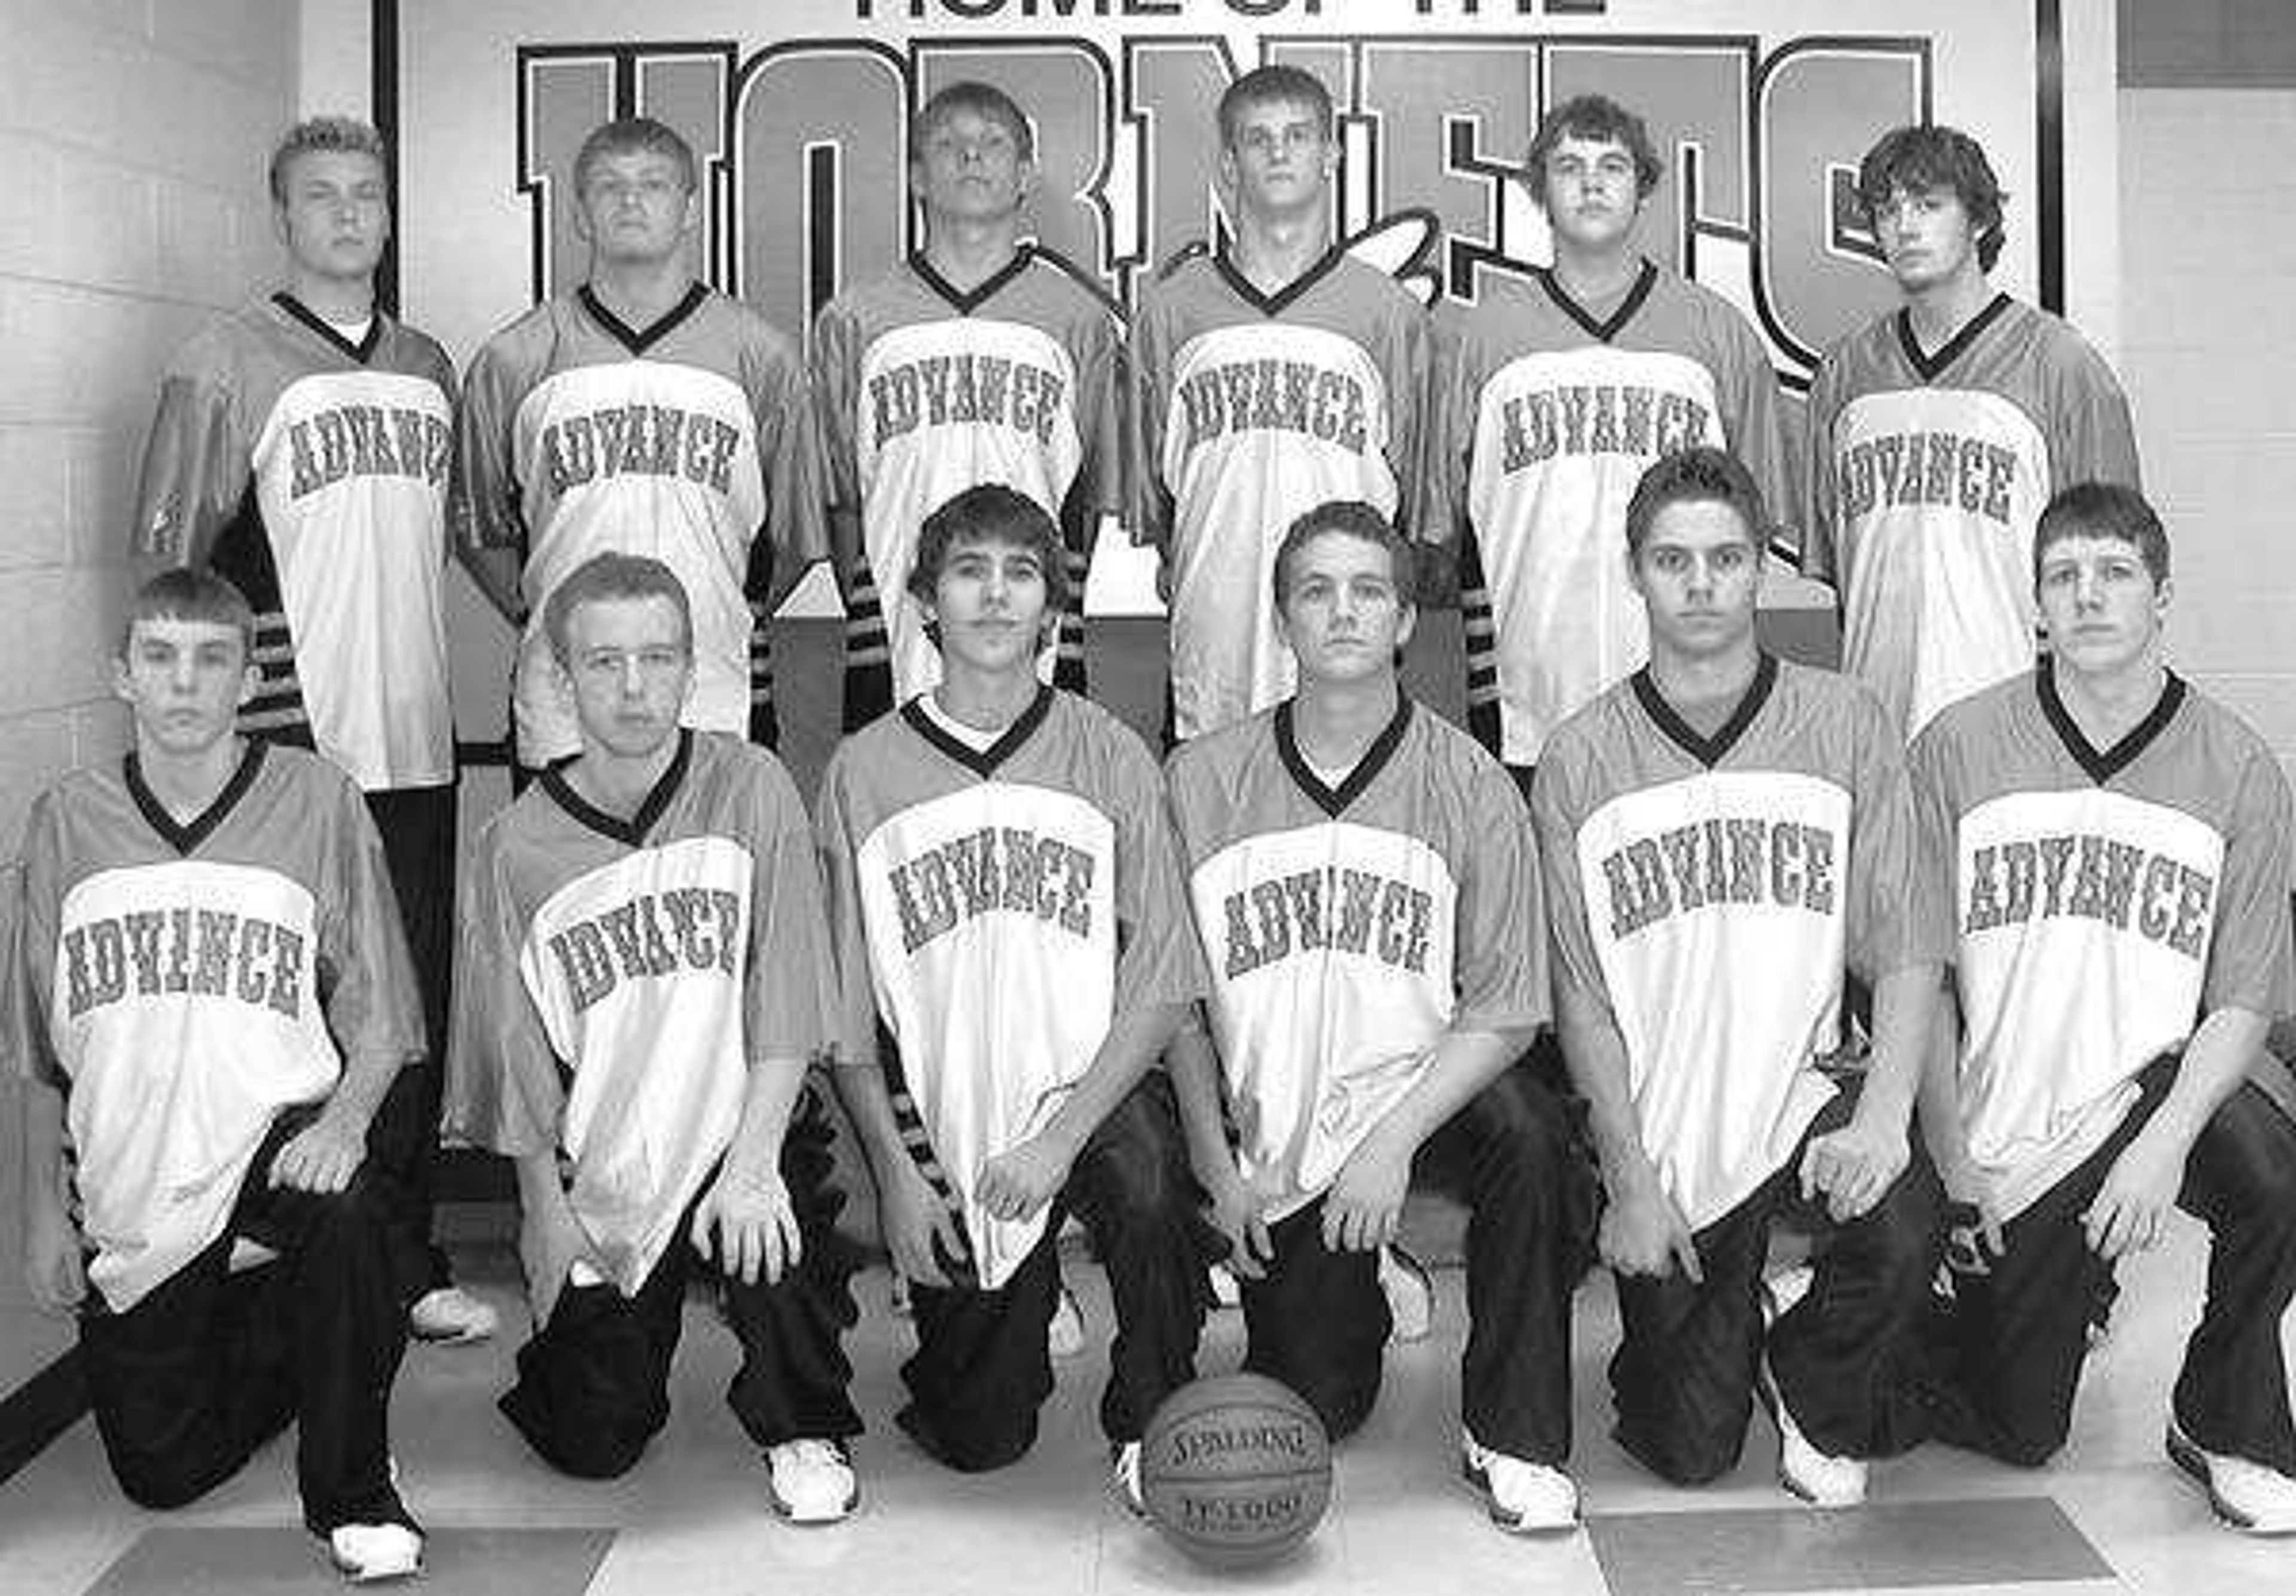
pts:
[1236, 1469]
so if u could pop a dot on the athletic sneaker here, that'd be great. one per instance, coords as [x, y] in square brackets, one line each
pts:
[368, 1553]
[1064, 1336]
[1410, 1294]
[811, 1481]
[1124, 1477]
[450, 1316]
[1522, 1497]
[1227, 1291]
[1819, 1478]
[2246, 1495]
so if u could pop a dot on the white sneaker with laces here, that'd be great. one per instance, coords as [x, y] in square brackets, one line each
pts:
[1124, 1477]
[1523, 1498]
[450, 1316]
[2246, 1495]
[368, 1553]
[1410, 1294]
[1064, 1335]
[1819, 1478]
[811, 1481]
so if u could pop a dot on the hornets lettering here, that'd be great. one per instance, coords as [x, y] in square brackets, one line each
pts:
[655, 933]
[1721, 860]
[205, 953]
[1602, 419]
[2095, 878]
[366, 441]
[1350, 912]
[640, 440]
[1287, 396]
[940, 390]
[989, 870]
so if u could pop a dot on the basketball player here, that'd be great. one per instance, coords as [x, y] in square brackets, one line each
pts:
[2120, 866]
[1364, 888]
[300, 450]
[641, 412]
[1013, 953]
[1724, 836]
[980, 360]
[1556, 389]
[211, 997]
[644, 964]
[1938, 432]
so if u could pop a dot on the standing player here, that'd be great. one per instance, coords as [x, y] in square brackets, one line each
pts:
[300, 450]
[2119, 848]
[1364, 888]
[1938, 432]
[1273, 375]
[645, 414]
[1014, 952]
[1555, 392]
[211, 997]
[645, 965]
[1723, 835]
[982, 359]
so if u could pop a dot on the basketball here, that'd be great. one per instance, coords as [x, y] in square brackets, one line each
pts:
[1236, 1469]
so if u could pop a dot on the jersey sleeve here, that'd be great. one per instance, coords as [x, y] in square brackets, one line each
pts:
[1820, 535]
[1455, 376]
[373, 1002]
[502, 1091]
[795, 535]
[2092, 437]
[789, 981]
[1161, 960]
[1502, 949]
[484, 512]
[1407, 361]
[854, 1016]
[34, 913]
[1928, 767]
[1555, 822]
[1755, 423]
[197, 462]
[1896, 913]
[2251, 962]
[1148, 389]
[834, 369]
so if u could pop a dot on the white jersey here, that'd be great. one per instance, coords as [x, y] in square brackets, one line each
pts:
[2105, 903]
[618, 980]
[995, 909]
[183, 983]
[1709, 892]
[1349, 928]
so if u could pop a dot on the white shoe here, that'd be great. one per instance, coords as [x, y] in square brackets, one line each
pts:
[367, 1553]
[1410, 1294]
[1124, 1477]
[1228, 1292]
[1064, 1335]
[811, 1481]
[2246, 1495]
[1523, 1498]
[1819, 1478]
[450, 1316]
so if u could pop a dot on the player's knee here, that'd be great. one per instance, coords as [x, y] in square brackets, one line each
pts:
[160, 1483]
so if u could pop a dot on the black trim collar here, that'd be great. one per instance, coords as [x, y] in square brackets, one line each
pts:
[1334, 800]
[2102, 765]
[186, 839]
[1615, 323]
[965, 302]
[631, 337]
[632, 832]
[1276, 303]
[362, 352]
[981, 761]
[1930, 367]
[1709, 751]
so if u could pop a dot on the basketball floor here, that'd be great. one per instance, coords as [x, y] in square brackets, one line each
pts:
[691, 1521]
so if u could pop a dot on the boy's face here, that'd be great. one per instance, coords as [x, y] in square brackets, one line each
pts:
[971, 167]
[628, 668]
[634, 206]
[1280, 159]
[1926, 237]
[2099, 601]
[990, 605]
[1588, 188]
[184, 681]
[1698, 572]
[1344, 612]
[336, 217]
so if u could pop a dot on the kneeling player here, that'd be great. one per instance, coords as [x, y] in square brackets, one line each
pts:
[2120, 870]
[644, 968]
[212, 997]
[1722, 834]
[1013, 953]
[1365, 885]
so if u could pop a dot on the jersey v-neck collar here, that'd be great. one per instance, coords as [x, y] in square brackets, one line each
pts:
[1283, 299]
[1603, 330]
[632, 832]
[362, 352]
[635, 340]
[2102, 765]
[1930, 367]
[1333, 801]
[965, 302]
[183, 837]
[983, 762]
[1709, 751]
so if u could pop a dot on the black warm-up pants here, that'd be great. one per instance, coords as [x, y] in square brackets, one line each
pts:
[208, 1365]
[981, 1370]
[2006, 1350]
[594, 1384]
[1319, 1322]
[1684, 1375]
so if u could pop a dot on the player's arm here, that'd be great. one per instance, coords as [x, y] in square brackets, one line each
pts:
[195, 469]
[1017, 1183]
[1820, 554]
[748, 1203]
[1148, 371]
[325, 1154]
[550, 1240]
[1231, 1207]
[489, 526]
[1364, 1207]
[53, 1274]
[1855, 1166]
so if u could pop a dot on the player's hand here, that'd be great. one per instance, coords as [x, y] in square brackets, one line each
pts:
[914, 1220]
[324, 1155]
[1020, 1180]
[1973, 1236]
[550, 1243]
[1642, 1233]
[54, 1272]
[2131, 1211]
[1240, 1215]
[1854, 1167]
[1364, 1208]
[757, 1228]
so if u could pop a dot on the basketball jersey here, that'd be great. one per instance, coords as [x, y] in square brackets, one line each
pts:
[181, 984]
[1928, 475]
[924, 390]
[689, 442]
[1546, 418]
[2104, 902]
[1349, 928]
[1709, 891]
[619, 979]
[312, 472]
[1254, 409]
[995, 909]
